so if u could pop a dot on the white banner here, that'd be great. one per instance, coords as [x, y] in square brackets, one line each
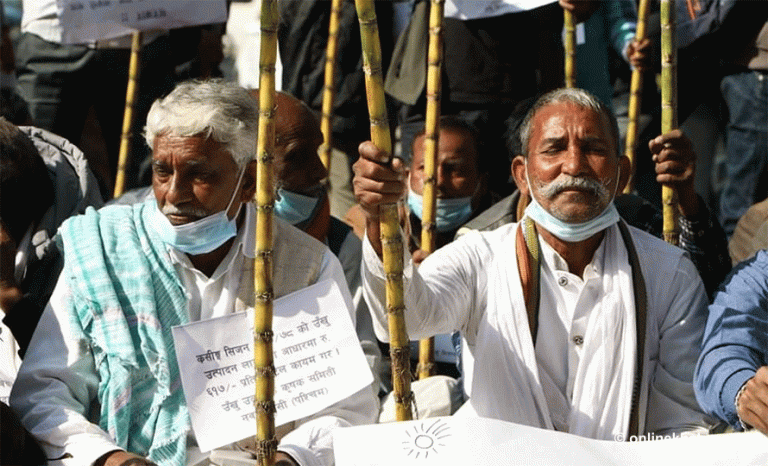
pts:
[85, 21]
[318, 361]
[474, 9]
[461, 440]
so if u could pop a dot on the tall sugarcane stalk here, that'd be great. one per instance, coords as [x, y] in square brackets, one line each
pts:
[635, 96]
[392, 241]
[426, 367]
[329, 89]
[266, 441]
[668, 111]
[570, 48]
[130, 99]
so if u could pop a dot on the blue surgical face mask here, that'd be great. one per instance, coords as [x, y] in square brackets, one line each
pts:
[201, 236]
[571, 232]
[450, 214]
[296, 209]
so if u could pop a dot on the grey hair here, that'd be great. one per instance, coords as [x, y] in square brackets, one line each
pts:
[222, 111]
[576, 96]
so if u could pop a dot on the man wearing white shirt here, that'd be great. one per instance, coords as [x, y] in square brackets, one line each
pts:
[100, 382]
[576, 321]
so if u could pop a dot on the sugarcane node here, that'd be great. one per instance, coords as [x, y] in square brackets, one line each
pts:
[265, 371]
[264, 337]
[326, 115]
[390, 241]
[408, 399]
[368, 21]
[436, 30]
[434, 97]
[267, 69]
[268, 113]
[429, 226]
[395, 309]
[336, 10]
[266, 448]
[327, 87]
[372, 70]
[266, 208]
[268, 30]
[265, 297]
[425, 367]
[432, 179]
[379, 122]
[266, 406]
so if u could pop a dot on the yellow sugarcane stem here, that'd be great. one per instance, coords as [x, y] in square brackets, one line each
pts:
[130, 99]
[635, 98]
[329, 89]
[570, 49]
[668, 111]
[392, 241]
[426, 367]
[262, 275]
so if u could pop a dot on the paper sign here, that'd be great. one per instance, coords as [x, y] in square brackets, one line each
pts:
[85, 21]
[474, 9]
[465, 440]
[318, 361]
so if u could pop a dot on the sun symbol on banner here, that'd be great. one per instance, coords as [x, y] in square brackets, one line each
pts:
[426, 438]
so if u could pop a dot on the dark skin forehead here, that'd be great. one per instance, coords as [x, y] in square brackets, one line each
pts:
[297, 138]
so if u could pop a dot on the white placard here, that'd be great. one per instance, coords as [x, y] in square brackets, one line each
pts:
[464, 440]
[85, 21]
[318, 361]
[474, 9]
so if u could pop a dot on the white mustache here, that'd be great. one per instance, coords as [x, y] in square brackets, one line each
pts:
[196, 212]
[564, 182]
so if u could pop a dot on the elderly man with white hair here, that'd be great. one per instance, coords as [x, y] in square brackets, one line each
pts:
[100, 384]
[576, 321]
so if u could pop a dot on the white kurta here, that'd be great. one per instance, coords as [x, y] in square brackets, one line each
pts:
[473, 285]
[55, 391]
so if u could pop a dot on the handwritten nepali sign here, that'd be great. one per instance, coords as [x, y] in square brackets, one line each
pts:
[462, 440]
[474, 9]
[318, 361]
[85, 21]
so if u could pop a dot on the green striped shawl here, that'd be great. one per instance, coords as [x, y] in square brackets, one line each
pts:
[126, 296]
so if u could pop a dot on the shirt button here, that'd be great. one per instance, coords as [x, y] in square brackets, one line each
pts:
[578, 339]
[562, 281]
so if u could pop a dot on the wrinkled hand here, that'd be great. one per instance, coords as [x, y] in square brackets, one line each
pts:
[581, 9]
[122, 458]
[639, 54]
[376, 183]
[10, 292]
[675, 167]
[752, 405]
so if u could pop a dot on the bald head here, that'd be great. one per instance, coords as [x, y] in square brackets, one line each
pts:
[297, 138]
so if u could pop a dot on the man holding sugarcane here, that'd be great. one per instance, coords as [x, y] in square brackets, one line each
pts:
[576, 321]
[100, 384]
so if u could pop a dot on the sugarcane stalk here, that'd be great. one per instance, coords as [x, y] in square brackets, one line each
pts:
[329, 88]
[570, 48]
[266, 441]
[392, 241]
[635, 97]
[130, 100]
[668, 111]
[426, 367]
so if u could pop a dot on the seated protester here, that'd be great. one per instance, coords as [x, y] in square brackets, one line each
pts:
[588, 311]
[43, 180]
[731, 379]
[302, 200]
[461, 183]
[100, 383]
[701, 236]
